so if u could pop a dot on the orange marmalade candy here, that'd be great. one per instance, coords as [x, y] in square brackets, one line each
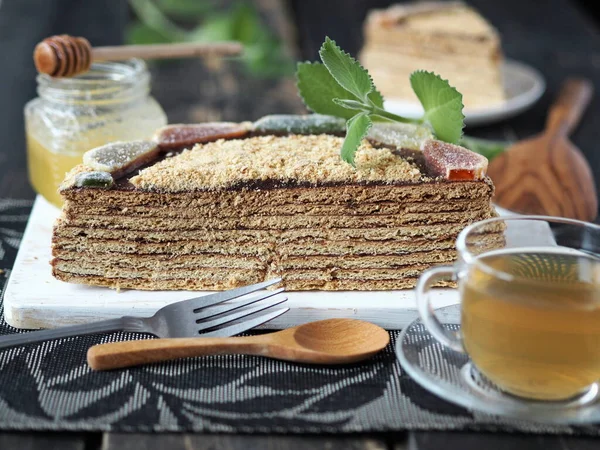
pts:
[453, 162]
[180, 136]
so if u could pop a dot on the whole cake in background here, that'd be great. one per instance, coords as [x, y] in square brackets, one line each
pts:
[448, 38]
[215, 206]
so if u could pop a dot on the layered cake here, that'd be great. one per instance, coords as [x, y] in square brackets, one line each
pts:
[216, 206]
[448, 38]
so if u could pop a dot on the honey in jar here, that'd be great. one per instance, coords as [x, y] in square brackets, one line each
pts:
[111, 102]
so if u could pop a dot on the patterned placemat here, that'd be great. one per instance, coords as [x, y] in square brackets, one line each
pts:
[50, 387]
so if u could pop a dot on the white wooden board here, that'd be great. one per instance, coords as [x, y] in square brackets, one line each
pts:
[34, 299]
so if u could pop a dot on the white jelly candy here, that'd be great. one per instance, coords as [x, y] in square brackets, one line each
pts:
[399, 135]
[119, 158]
[300, 124]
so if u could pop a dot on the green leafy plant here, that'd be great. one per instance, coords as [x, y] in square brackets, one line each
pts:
[340, 86]
[166, 21]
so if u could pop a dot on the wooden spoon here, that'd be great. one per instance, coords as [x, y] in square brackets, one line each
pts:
[332, 341]
[547, 174]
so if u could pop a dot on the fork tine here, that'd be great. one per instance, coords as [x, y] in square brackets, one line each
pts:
[206, 325]
[246, 325]
[205, 313]
[220, 297]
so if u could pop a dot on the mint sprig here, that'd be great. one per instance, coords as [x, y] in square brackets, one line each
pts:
[442, 104]
[348, 73]
[342, 87]
[356, 130]
[318, 89]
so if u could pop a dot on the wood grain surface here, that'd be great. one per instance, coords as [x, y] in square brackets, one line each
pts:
[547, 174]
[42, 441]
[390, 441]
[494, 441]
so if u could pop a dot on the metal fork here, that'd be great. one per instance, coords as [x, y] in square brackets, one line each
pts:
[188, 318]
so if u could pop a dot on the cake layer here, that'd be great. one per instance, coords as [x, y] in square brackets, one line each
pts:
[214, 283]
[169, 262]
[450, 26]
[187, 247]
[291, 209]
[159, 262]
[365, 262]
[353, 285]
[277, 222]
[64, 232]
[475, 86]
[214, 273]
[332, 274]
[268, 194]
[444, 48]
[204, 282]
[312, 247]
[220, 274]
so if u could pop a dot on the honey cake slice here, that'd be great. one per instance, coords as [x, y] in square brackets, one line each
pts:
[449, 38]
[266, 202]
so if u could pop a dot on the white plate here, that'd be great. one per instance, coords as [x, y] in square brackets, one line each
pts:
[523, 85]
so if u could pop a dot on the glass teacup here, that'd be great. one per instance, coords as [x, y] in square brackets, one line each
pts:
[530, 304]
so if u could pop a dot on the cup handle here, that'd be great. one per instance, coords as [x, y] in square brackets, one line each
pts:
[431, 322]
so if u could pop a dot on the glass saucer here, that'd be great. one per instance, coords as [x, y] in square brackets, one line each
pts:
[451, 376]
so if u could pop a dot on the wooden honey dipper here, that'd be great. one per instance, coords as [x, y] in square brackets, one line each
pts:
[67, 56]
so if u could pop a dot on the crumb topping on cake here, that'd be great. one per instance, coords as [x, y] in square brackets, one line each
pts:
[313, 159]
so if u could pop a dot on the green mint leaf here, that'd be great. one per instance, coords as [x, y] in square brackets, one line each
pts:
[356, 130]
[442, 104]
[376, 97]
[351, 104]
[318, 89]
[346, 70]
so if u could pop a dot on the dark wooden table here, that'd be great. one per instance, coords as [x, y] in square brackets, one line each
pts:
[559, 38]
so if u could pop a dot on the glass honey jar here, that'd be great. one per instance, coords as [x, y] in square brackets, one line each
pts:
[110, 102]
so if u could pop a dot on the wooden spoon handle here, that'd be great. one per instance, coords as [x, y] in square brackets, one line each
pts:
[132, 353]
[573, 99]
[160, 51]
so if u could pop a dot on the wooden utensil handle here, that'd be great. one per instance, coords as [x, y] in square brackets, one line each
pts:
[161, 51]
[132, 353]
[573, 99]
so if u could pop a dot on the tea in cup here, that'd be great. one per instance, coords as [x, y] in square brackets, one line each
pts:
[530, 304]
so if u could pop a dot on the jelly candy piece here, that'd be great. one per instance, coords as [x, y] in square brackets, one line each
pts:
[300, 124]
[400, 135]
[94, 179]
[119, 158]
[453, 162]
[186, 135]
